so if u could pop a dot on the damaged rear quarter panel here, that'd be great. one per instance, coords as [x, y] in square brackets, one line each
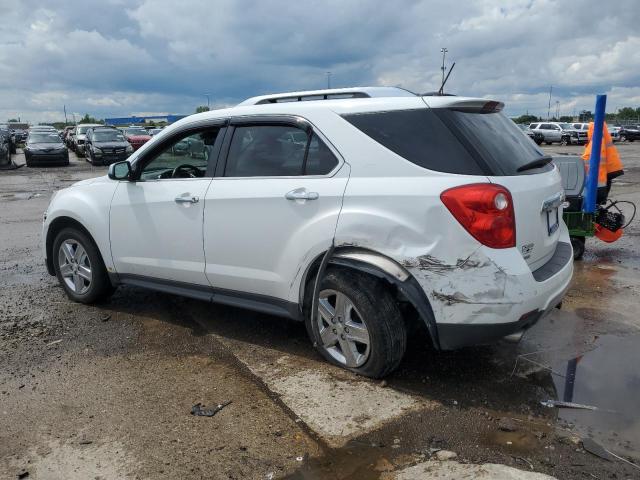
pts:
[464, 281]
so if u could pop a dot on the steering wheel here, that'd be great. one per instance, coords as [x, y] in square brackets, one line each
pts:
[190, 170]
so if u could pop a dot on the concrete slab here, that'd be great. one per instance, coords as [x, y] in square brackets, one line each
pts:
[335, 404]
[462, 471]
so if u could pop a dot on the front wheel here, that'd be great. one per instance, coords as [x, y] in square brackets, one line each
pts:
[358, 325]
[79, 267]
[623, 138]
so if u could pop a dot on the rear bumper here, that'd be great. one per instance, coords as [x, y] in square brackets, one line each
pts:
[494, 293]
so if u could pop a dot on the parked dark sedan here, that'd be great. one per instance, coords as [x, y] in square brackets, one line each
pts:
[106, 145]
[45, 148]
[629, 133]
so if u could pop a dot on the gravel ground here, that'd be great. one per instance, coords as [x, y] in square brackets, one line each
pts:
[106, 391]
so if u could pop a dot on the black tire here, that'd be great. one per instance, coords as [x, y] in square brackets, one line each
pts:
[14, 149]
[578, 244]
[565, 141]
[538, 142]
[384, 322]
[548, 143]
[100, 287]
[623, 138]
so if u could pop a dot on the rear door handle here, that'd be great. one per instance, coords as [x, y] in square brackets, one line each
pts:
[301, 194]
[186, 198]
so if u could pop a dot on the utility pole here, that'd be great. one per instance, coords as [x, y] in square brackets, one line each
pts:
[328, 79]
[549, 107]
[444, 51]
[208, 100]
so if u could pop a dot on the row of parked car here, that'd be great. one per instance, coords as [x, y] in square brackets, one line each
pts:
[574, 133]
[103, 144]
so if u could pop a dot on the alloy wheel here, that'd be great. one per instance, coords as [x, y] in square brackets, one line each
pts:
[342, 329]
[75, 266]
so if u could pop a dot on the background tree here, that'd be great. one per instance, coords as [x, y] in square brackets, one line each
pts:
[525, 119]
[89, 119]
[202, 108]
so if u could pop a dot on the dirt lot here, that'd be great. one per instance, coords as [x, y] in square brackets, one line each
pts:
[106, 391]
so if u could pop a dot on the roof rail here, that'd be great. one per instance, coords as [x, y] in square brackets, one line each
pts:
[329, 94]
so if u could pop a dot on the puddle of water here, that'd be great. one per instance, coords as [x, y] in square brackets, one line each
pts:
[607, 377]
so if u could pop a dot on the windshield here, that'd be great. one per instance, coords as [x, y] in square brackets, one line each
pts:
[135, 131]
[82, 129]
[43, 137]
[566, 126]
[108, 136]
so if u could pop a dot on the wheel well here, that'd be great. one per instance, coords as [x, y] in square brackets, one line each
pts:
[414, 305]
[56, 226]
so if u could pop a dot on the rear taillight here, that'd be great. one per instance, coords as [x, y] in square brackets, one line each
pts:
[485, 210]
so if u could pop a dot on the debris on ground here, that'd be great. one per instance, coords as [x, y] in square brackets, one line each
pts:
[507, 424]
[199, 410]
[23, 474]
[444, 455]
[105, 318]
[596, 449]
[54, 342]
[561, 404]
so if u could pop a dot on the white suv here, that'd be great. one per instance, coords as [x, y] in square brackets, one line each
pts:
[357, 211]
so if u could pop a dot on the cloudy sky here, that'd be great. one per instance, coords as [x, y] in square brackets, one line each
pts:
[116, 58]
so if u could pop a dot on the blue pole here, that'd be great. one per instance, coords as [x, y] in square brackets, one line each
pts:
[589, 204]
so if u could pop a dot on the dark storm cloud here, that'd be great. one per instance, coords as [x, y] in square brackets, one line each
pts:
[116, 57]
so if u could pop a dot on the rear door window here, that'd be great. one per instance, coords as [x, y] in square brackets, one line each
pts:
[277, 151]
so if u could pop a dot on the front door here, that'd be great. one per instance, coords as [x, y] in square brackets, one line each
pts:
[156, 221]
[275, 204]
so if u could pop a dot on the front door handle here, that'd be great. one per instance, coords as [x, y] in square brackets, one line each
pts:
[301, 194]
[187, 199]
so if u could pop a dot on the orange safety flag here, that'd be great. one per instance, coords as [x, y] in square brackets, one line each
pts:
[610, 163]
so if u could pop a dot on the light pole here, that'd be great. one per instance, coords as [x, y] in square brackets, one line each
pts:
[328, 79]
[208, 101]
[558, 110]
[444, 51]
[549, 107]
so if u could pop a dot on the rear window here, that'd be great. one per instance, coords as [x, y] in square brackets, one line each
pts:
[420, 137]
[452, 141]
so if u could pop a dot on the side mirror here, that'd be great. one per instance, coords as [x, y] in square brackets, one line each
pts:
[120, 171]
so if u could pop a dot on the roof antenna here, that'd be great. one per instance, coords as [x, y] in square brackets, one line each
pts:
[441, 91]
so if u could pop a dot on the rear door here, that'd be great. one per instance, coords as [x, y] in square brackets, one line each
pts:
[272, 206]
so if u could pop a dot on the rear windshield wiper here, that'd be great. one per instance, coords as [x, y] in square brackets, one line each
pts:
[537, 163]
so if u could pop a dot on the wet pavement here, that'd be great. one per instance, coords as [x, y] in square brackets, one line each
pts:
[106, 391]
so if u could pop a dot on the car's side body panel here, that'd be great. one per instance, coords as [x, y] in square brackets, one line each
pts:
[153, 236]
[87, 202]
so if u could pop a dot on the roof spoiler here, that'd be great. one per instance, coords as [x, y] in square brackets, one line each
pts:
[476, 106]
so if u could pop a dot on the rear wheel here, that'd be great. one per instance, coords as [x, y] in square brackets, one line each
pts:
[358, 325]
[623, 138]
[79, 267]
[578, 244]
